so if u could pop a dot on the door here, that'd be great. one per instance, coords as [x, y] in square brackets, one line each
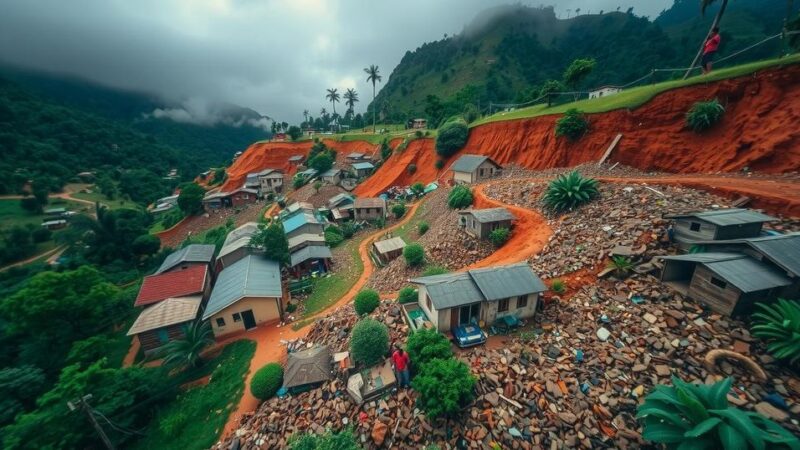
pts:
[466, 314]
[249, 319]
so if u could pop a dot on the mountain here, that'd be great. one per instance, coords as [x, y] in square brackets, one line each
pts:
[508, 52]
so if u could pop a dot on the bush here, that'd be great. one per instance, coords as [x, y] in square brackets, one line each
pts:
[369, 342]
[343, 440]
[427, 344]
[333, 236]
[779, 325]
[700, 414]
[703, 115]
[444, 387]
[499, 236]
[434, 270]
[622, 266]
[298, 182]
[291, 307]
[190, 200]
[366, 301]
[418, 188]
[294, 132]
[411, 169]
[407, 295]
[439, 164]
[267, 381]
[570, 191]
[471, 113]
[418, 133]
[41, 235]
[423, 227]
[452, 136]
[572, 124]
[558, 286]
[414, 254]
[398, 210]
[317, 185]
[460, 197]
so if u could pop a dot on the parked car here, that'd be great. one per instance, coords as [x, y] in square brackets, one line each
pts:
[468, 335]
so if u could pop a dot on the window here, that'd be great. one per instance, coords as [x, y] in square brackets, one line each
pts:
[502, 305]
[163, 335]
[220, 322]
[237, 317]
[428, 302]
[718, 283]
[695, 226]
[522, 301]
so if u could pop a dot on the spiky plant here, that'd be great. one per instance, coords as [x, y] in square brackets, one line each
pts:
[570, 191]
[704, 115]
[558, 286]
[698, 416]
[622, 266]
[187, 352]
[779, 325]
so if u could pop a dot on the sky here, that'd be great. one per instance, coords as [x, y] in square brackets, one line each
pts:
[274, 56]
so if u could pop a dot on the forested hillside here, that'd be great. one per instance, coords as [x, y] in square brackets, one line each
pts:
[509, 52]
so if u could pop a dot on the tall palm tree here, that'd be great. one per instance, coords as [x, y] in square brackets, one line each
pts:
[305, 116]
[351, 98]
[323, 112]
[373, 76]
[333, 96]
[703, 5]
[186, 352]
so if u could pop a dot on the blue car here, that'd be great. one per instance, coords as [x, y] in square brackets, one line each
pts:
[468, 335]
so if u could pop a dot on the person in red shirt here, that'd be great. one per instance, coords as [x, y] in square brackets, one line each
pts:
[400, 362]
[710, 49]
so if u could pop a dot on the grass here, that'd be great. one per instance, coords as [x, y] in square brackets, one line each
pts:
[635, 97]
[329, 290]
[195, 419]
[11, 213]
[409, 231]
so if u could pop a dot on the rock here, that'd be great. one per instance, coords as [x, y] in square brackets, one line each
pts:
[603, 334]
[662, 370]
[378, 434]
[771, 412]
[651, 319]
[568, 417]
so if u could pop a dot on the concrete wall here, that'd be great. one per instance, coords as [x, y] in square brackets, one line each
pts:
[370, 213]
[242, 198]
[462, 177]
[265, 309]
[488, 314]
[484, 171]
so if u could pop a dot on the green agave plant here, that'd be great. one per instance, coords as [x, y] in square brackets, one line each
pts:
[688, 416]
[569, 191]
[779, 325]
[622, 265]
[704, 115]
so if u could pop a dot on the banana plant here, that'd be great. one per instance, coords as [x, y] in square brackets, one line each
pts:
[779, 325]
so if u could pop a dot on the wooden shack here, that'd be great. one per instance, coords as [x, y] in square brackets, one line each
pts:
[388, 249]
[369, 208]
[474, 168]
[480, 222]
[717, 225]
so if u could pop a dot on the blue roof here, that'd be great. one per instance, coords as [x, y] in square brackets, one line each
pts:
[251, 276]
[363, 165]
[298, 220]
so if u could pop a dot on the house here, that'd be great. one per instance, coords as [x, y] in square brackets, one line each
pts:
[189, 256]
[295, 208]
[306, 174]
[604, 91]
[247, 293]
[165, 321]
[362, 169]
[305, 240]
[388, 249]
[303, 223]
[236, 245]
[355, 157]
[474, 168]
[165, 204]
[55, 212]
[192, 281]
[237, 198]
[717, 224]
[54, 224]
[333, 176]
[307, 369]
[340, 200]
[296, 160]
[310, 259]
[480, 222]
[479, 295]
[270, 181]
[251, 181]
[417, 124]
[370, 208]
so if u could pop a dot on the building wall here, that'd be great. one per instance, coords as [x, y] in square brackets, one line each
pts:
[684, 233]
[484, 171]
[738, 231]
[370, 213]
[462, 177]
[265, 309]
[242, 198]
[271, 183]
[150, 340]
[488, 313]
[227, 260]
[309, 228]
[482, 230]
[720, 300]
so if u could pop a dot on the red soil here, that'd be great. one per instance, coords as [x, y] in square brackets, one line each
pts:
[395, 171]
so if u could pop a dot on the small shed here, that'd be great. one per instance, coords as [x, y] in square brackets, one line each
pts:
[370, 208]
[311, 258]
[54, 224]
[388, 249]
[307, 369]
[474, 168]
[296, 160]
[604, 91]
[307, 174]
[341, 199]
[165, 321]
[355, 156]
[362, 169]
[302, 223]
[717, 224]
[236, 245]
[480, 222]
[332, 176]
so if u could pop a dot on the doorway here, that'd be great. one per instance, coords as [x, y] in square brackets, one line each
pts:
[249, 319]
[467, 313]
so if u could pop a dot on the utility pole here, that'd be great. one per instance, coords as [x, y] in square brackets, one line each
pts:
[83, 404]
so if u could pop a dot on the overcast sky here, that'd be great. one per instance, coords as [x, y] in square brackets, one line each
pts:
[274, 56]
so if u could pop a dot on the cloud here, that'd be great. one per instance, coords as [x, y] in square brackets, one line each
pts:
[200, 111]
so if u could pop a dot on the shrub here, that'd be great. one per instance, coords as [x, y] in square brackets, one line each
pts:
[298, 182]
[317, 185]
[267, 381]
[779, 325]
[439, 164]
[703, 115]
[558, 286]
[407, 295]
[414, 254]
[294, 132]
[700, 414]
[343, 440]
[369, 342]
[417, 188]
[423, 227]
[291, 307]
[427, 344]
[570, 191]
[460, 197]
[572, 124]
[386, 150]
[411, 169]
[434, 270]
[348, 229]
[418, 133]
[333, 236]
[444, 387]
[622, 265]
[366, 301]
[471, 113]
[452, 136]
[398, 210]
[499, 236]
[41, 235]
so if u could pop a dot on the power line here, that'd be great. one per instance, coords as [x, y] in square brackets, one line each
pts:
[82, 403]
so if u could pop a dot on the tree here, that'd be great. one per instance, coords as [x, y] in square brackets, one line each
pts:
[704, 4]
[407, 295]
[414, 254]
[369, 342]
[460, 197]
[366, 301]
[444, 387]
[295, 132]
[351, 98]
[342, 440]
[549, 87]
[110, 236]
[146, 245]
[106, 186]
[266, 381]
[190, 200]
[321, 162]
[31, 204]
[398, 209]
[427, 344]
[305, 116]
[333, 96]
[186, 352]
[272, 240]
[317, 185]
[452, 136]
[19, 388]
[418, 188]
[471, 113]
[373, 76]
[499, 236]
[578, 70]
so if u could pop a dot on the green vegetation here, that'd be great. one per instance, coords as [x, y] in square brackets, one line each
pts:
[190, 200]
[414, 254]
[621, 265]
[418, 188]
[266, 381]
[294, 132]
[366, 301]
[572, 124]
[452, 136]
[558, 286]
[343, 440]
[186, 352]
[427, 344]
[411, 169]
[578, 70]
[329, 289]
[700, 414]
[333, 236]
[569, 191]
[422, 227]
[444, 387]
[499, 236]
[369, 342]
[272, 240]
[398, 209]
[460, 197]
[434, 270]
[779, 324]
[407, 295]
[703, 115]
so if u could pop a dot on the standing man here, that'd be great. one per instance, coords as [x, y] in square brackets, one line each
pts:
[710, 49]
[400, 361]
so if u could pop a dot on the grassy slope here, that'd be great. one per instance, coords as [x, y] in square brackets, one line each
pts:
[11, 213]
[635, 97]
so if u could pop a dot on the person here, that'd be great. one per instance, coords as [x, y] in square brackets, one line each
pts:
[710, 49]
[400, 361]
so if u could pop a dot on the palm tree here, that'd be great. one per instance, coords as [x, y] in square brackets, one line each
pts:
[333, 96]
[577, 12]
[703, 5]
[186, 352]
[373, 75]
[305, 116]
[351, 98]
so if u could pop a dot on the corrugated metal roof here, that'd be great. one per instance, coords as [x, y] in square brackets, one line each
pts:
[370, 202]
[363, 165]
[308, 367]
[168, 312]
[337, 199]
[298, 220]
[251, 276]
[703, 257]
[181, 283]
[355, 155]
[388, 245]
[303, 238]
[331, 172]
[310, 252]
[450, 290]
[727, 216]
[190, 253]
[748, 274]
[468, 163]
[246, 230]
[296, 158]
[490, 214]
[783, 250]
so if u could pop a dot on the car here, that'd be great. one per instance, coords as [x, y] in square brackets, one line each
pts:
[468, 335]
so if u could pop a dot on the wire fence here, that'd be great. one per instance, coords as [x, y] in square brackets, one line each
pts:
[560, 97]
